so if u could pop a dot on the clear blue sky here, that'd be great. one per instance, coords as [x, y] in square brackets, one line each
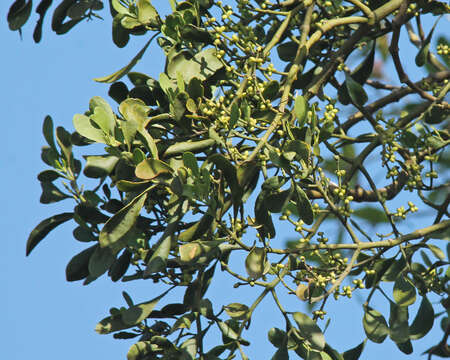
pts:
[47, 317]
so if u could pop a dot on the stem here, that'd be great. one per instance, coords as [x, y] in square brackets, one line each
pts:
[340, 279]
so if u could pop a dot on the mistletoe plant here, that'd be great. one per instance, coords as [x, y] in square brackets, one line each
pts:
[261, 120]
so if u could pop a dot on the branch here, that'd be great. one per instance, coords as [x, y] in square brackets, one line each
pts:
[339, 280]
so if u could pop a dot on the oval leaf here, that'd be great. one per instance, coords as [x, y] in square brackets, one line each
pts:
[355, 353]
[135, 314]
[151, 168]
[356, 91]
[404, 291]
[84, 127]
[375, 326]
[256, 263]
[304, 206]
[44, 227]
[236, 311]
[125, 70]
[118, 225]
[423, 322]
[100, 261]
[300, 110]
[310, 331]
[77, 268]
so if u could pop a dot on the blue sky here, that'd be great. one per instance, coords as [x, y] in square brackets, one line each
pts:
[47, 317]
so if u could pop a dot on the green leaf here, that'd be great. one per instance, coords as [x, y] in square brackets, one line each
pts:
[100, 261]
[84, 235]
[179, 106]
[140, 350]
[123, 335]
[90, 214]
[423, 322]
[85, 128]
[437, 252]
[41, 9]
[256, 263]
[120, 265]
[158, 260]
[310, 331]
[228, 332]
[398, 323]
[356, 91]
[189, 349]
[190, 162]
[375, 326]
[304, 206]
[139, 79]
[119, 7]
[300, 110]
[47, 130]
[18, 14]
[422, 55]
[331, 353]
[234, 115]
[120, 35]
[174, 309]
[206, 309]
[277, 337]
[43, 228]
[355, 353]
[197, 230]
[190, 32]
[216, 351]
[152, 168]
[271, 90]
[147, 14]
[278, 201]
[286, 51]
[404, 291]
[99, 166]
[111, 324]
[48, 176]
[191, 252]
[77, 268]
[371, 214]
[78, 10]
[115, 229]
[360, 75]
[395, 268]
[262, 216]
[183, 322]
[51, 194]
[136, 314]
[133, 186]
[195, 88]
[281, 354]
[230, 174]
[191, 106]
[326, 130]
[63, 140]
[202, 66]
[60, 13]
[380, 267]
[134, 110]
[237, 311]
[102, 115]
[118, 91]
[122, 72]
[405, 347]
[300, 149]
